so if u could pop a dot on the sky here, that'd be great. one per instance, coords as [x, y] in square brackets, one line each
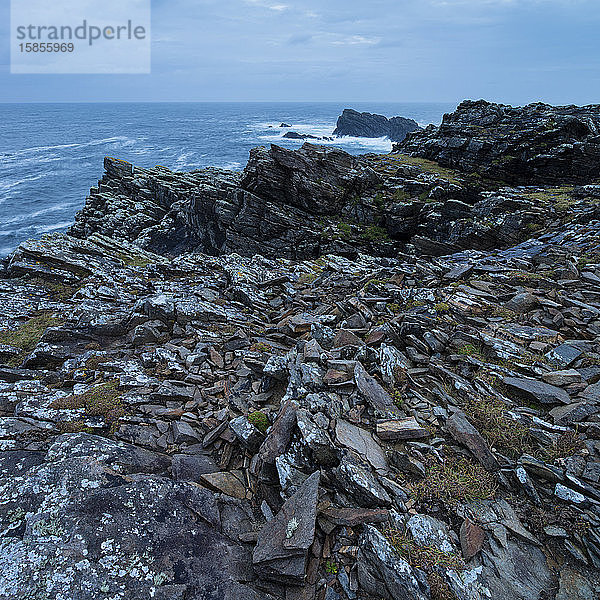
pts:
[513, 51]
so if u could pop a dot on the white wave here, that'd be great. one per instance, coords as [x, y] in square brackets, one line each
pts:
[37, 149]
[6, 186]
[382, 144]
[231, 165]
[48, 228]
[44, 211]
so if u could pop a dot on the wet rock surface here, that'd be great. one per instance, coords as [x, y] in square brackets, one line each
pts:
[183, 425]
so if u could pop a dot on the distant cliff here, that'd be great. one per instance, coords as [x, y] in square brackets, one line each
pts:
[369, 125]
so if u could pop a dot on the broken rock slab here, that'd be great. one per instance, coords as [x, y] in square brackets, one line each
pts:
[373, 392]
[282, 549]
[384, 574]
[362, 442]
[464, 433]
[562, 378]
[354, 477]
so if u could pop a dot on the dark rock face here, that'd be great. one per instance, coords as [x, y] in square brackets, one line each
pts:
[537, 143]
[273, 208]
[294, 135]
[313, 201]
[354, 123]
[113, 529]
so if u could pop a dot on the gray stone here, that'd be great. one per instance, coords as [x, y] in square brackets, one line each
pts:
[562, 378]
[373, 392]
[521, 303]
[354, 478]
[183, 433]
[250, 437]
[575, 586]
[190, 467]
[282, 548]
[362, 442]
[564, 355]
[383, 573]
[463, 432]
[573, 413]
[400, 429]
[536, 391]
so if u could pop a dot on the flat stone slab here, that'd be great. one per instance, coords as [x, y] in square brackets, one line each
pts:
[562, 378]
[373, 392]
[536, 391]
[401, 429]
[230, 483]
[363, 443]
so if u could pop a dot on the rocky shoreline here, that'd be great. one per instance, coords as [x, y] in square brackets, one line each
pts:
[331, 377]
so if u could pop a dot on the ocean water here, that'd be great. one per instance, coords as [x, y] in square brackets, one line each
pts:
[51, 154]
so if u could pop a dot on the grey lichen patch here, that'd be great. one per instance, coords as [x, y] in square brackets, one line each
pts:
[292, 525]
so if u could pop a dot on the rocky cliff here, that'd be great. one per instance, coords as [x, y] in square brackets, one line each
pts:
[314, 201]
[181, 421]
[352, 122]
[537, 143]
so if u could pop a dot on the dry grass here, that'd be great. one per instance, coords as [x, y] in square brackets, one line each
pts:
[455, 480]
[489, 416]
[568, 444]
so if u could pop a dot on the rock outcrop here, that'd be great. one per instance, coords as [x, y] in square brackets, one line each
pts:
[313, 201]
[534, 144]
[263, 428]
[179, 421]
[357, 124]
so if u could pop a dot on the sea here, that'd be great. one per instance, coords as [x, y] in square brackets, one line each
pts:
[51, 154]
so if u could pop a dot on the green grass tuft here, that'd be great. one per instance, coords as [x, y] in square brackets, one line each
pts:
[102, 400]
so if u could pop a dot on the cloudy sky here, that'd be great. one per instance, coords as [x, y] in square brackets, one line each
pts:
[512, 51]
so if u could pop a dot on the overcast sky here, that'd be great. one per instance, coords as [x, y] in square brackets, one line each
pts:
[512, 51]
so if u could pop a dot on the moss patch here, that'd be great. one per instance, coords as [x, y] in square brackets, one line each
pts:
[27, 335]
[102, 400]
[133, 260]
[560, 197]
[58, 291]
[374, 233]
[472, 350]
[428, 559]
[74, 427]
[427, 166]
[422, 557]
[259, 420]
